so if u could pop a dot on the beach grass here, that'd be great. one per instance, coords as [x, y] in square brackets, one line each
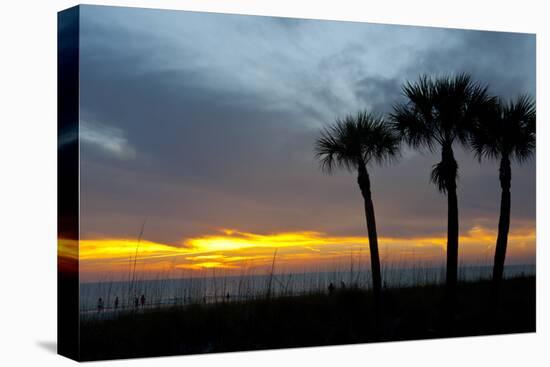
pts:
[344, 316]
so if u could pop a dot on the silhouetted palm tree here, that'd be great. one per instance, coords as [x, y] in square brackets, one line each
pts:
[354, 143]
[506, 132]
[439, 112]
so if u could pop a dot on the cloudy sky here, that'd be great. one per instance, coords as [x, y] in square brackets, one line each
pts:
[197, 123]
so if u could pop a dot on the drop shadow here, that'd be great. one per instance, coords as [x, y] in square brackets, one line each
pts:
[50, 346]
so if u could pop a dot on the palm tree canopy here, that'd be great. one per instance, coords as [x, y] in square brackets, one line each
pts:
[439, 110]
[356, 140]
[506, 129]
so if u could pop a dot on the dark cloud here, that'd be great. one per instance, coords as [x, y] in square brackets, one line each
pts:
[504, 61]
[381, 93]
[220, 114]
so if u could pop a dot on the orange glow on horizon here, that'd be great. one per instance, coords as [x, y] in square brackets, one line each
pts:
[233, 250]
[67, 248]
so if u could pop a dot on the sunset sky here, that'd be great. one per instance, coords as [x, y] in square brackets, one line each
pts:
[202, 127]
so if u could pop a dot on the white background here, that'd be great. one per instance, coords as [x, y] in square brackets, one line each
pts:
[28, 149]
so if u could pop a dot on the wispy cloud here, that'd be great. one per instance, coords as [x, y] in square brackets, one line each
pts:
[109, 140]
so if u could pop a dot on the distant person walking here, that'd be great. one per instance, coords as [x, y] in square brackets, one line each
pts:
[142, 300]
[116, 302]
[99, 305]
[136, 302]
[331, 288]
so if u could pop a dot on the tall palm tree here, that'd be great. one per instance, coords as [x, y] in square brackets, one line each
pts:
[437, 114]
[354, 143]
[507, 133]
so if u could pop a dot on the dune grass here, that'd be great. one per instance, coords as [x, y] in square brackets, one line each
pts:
[343, 317]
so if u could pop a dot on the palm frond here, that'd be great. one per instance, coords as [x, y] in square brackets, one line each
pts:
[506, 129]
[356, 140]
[521, 115]
[332, 149]
[442, 173]
[412, 126]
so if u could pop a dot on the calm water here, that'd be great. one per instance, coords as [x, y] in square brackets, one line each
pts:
[206, 290]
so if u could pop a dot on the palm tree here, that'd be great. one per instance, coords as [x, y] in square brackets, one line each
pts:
[506, 132]
[437, 114]
[353, 144]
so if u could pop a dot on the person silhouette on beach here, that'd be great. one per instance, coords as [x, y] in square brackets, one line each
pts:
[142, 300]
[330, 288]
[136, 302]
[116, 302]
[99, 305]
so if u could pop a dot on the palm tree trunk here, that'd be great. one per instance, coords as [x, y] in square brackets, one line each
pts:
[450, 168]
[364, 184]
[505, 176]
[452, 240]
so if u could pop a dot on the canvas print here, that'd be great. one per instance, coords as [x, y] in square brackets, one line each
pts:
[237, 182]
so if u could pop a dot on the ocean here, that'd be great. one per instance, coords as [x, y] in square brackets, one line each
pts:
[167, 292]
